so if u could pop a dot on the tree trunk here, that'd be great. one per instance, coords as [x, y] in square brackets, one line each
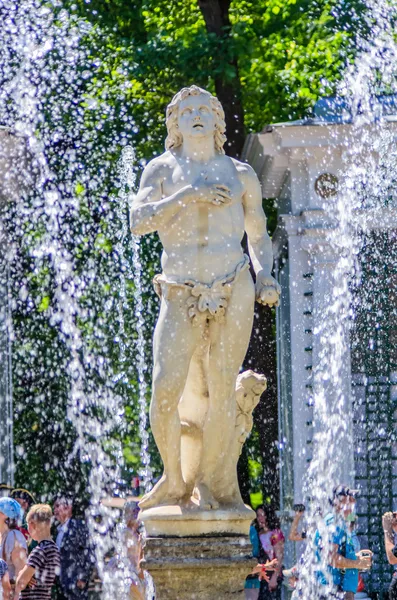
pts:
[227, 83]
[261, 357]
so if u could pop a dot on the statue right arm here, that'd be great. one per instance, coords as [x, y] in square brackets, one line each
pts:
[150, 210]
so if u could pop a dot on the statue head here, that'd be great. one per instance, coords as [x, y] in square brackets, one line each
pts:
[175, 138]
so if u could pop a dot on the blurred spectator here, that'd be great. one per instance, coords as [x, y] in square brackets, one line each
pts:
[25, 500]
[5, 580]
[136, 486]
[267, 542]
[124, 576]
[5, 490]
[291, 576]
[13, 547]
[295, 535]
[77, 561]
[36, 579]
[343, 563]
[389, 522]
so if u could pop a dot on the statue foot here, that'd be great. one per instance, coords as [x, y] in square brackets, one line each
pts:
[205, 498]
[161, 494]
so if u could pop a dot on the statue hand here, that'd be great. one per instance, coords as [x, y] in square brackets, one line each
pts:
[211, 193]
[267, 290]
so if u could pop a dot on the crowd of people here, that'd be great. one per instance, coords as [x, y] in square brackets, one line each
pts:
[46, 553]
[37, 560]
[40, 560]
[334, 542]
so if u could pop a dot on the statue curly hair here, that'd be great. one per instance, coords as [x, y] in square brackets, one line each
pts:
[174, 138]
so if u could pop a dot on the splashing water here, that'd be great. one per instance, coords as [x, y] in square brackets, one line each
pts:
[6, 404]
[42, 52]
[367, 187]
[128, 180]
[43, 48]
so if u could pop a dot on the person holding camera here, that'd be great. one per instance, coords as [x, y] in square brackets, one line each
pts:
[295, 535]
[389, 522]
[291, 575]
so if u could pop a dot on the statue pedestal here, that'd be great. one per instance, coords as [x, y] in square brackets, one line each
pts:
[185, 521]
[199, 568]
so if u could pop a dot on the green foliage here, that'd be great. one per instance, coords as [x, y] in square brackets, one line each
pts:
[289, 53]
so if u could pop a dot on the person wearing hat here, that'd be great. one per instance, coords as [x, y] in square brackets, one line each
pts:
[26, 500]
[13, 547]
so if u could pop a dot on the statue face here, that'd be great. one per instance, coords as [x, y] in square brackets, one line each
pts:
[196, 119]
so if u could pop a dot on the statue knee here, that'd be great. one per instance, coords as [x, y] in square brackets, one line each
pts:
[223, 384]
[165, 394]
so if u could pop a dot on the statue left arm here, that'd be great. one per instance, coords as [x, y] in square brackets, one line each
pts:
[259, 242]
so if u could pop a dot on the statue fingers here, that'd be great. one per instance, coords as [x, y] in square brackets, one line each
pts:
[219, 201]
[221, 186]
[221, 196]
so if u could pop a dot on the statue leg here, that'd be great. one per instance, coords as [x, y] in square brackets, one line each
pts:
[192, 411]
[228, 345]
[174, 342]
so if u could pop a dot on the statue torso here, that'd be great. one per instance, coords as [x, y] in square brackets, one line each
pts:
[203, 241]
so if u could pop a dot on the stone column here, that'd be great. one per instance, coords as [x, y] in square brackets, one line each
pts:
[300, 376]
[331, 357]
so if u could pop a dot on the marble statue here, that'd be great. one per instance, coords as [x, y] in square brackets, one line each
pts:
[201, 202]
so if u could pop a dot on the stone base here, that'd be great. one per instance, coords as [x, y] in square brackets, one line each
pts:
[182, 521]
[206, 568]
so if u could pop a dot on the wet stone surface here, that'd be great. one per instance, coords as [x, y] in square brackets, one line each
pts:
[199, 568]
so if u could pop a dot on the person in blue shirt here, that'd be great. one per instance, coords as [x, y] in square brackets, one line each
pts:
[344, 561]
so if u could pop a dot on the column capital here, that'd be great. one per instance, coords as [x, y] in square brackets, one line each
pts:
[319, 248]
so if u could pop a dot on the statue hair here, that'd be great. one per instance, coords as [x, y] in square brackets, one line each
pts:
[174, 138]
